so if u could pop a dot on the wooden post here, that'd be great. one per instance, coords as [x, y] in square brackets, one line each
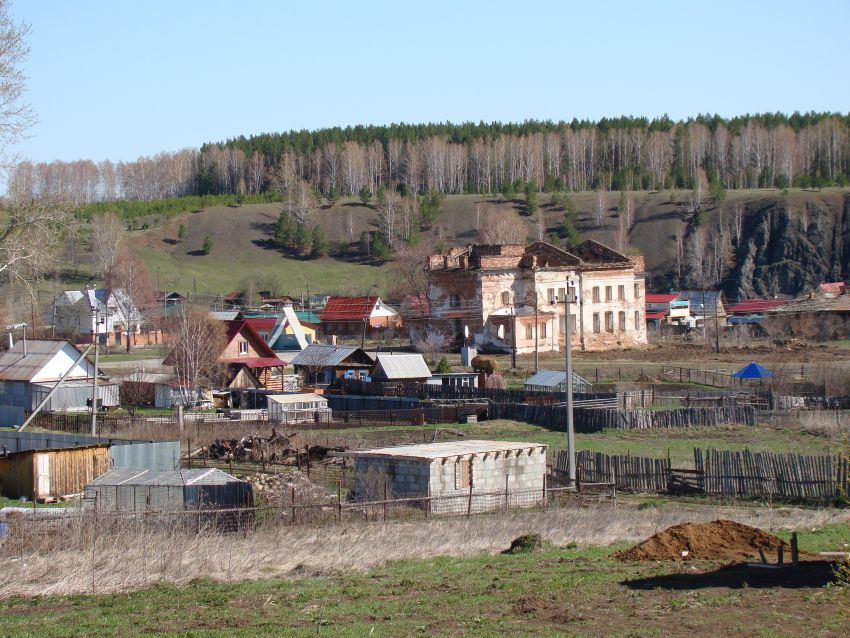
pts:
[189, 450]
[292, 494]
[795, 553]
[339, 500]
[507, 500]
[385, 502]
[469, 503]
[544, 491]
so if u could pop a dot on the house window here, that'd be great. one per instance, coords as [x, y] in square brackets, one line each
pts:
[454, 302]
[622, 320]
[621, 292]
[506, 298]
[637, 319]
[529, 331]
[463, 474]
[573, 324]
[609, 293]
[609, 321]
[597, 325]
[243, 347]
[596, 294]
[637, 291]
[264, 336]
[562, 295]
[551, 292]
[562, 327]
[542, 330]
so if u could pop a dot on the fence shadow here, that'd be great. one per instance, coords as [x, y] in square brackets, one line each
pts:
[806, 574]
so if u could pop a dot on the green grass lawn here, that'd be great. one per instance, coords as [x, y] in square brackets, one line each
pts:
[552, 592]
[219, 272]
[678, 442]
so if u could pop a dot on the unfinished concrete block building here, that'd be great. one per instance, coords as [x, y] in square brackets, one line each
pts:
[449, 472]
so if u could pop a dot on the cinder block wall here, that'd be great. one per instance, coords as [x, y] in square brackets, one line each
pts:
[524, 473]
[406, 478]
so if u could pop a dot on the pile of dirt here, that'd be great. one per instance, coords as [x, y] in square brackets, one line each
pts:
[718, 540]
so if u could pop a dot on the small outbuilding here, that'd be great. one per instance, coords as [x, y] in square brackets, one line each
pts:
[555, 381]
[51, 473]
[400, 367]
[298, 408]
[449, 472]
[151, 490]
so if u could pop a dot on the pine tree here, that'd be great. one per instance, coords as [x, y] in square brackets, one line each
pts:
[365, 195]
[207, 246]
[303, 238]
[530, 198]
[284, 231]
[181, 233]
[319, 246]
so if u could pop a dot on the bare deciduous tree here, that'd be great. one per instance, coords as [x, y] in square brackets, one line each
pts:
[501, 227]
[132, 293]
[198, 344]
[106, 236]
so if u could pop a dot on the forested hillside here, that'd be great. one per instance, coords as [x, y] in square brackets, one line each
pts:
[627, 153]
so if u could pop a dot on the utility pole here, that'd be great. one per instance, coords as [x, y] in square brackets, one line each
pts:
[94, 380]
[513, 339]
[571, 443]
[536, 333]
[716, 324]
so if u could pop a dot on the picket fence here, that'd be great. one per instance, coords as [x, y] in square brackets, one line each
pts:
[720, 473]
[587, 421]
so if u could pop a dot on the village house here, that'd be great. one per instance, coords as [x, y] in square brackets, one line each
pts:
[322, 364]
[283, 332]
[751, 311]
[78, 315]
[358, 316]
[667, 309]
[31, 368]
[706, 304]
[250, 362]
[506, 297]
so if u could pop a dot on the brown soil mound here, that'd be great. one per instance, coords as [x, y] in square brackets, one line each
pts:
[718, 540]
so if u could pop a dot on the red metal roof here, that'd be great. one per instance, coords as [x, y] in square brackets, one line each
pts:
[657, 315]
[651, 298]
[261, 323]
[750, 306]
[835, 288]
[348, 308]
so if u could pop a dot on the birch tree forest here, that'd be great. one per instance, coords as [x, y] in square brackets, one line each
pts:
[761, 151]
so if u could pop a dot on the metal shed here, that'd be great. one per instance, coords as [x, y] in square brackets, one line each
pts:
[454, 470]
[555, 381]
[150, 490]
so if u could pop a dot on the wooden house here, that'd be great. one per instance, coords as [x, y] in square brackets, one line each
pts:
[354, 316]
[325, 364]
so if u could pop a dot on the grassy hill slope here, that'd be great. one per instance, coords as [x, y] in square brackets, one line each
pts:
[243, 250]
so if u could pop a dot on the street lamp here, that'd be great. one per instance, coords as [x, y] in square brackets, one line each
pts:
[569, 298]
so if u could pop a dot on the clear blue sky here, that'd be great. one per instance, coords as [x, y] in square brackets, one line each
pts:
[117, 80]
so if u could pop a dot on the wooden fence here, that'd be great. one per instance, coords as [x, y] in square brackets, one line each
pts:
[635, 473]
[720, 473]
[746, 473]
[590, 420]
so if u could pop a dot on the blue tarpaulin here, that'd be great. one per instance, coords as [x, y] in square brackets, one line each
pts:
[753, 371]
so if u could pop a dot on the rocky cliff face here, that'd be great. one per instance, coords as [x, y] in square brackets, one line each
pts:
[787, 248]
[751, 245]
